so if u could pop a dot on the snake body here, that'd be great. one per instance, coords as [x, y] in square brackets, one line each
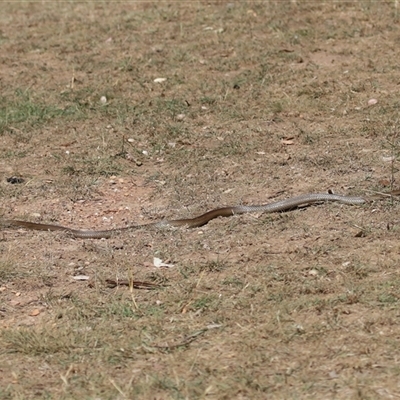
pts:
[278, 206]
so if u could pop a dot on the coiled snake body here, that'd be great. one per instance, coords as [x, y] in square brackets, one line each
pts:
[283, 205]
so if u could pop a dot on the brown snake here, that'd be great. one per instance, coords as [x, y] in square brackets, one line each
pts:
[278, 206]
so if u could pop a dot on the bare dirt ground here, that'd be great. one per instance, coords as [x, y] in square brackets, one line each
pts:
[261, 101]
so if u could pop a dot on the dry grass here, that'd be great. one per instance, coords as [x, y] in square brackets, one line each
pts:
[261, 101]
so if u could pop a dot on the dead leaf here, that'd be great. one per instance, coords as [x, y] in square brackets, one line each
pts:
[81, 277]
[35, 312]
[287, 141]
[384, 182]
[112, 283]
[159, 263]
